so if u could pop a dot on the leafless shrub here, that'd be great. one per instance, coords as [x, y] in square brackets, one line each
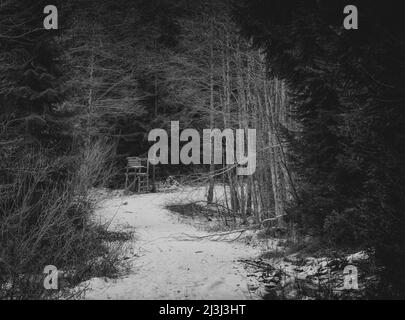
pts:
[45, 219]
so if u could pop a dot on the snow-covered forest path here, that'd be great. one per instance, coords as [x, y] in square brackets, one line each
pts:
[167, 260]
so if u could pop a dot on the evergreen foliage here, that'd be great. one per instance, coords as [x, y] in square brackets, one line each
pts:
[347, 87]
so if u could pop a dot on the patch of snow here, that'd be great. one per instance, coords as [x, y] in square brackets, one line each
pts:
[175, 260]
[356, 257]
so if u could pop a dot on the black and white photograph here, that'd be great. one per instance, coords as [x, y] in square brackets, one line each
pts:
[225, 151]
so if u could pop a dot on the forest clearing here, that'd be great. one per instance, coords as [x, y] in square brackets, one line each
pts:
[174, 257]
[169, 260]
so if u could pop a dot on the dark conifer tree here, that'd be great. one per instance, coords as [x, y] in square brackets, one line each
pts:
[32, 75]
[348, 93]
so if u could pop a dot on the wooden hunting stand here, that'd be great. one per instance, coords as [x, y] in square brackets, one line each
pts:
[138, 169]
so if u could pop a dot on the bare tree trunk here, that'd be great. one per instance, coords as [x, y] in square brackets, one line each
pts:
[242, 115]
[155, 112]
[210, 194]
[90, 95]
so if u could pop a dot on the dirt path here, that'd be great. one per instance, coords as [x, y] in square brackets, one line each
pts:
[168, 263]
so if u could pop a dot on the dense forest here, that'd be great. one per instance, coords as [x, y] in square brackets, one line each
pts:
[326, 103]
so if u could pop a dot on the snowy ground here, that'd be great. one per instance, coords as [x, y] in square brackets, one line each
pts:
[168, 261]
